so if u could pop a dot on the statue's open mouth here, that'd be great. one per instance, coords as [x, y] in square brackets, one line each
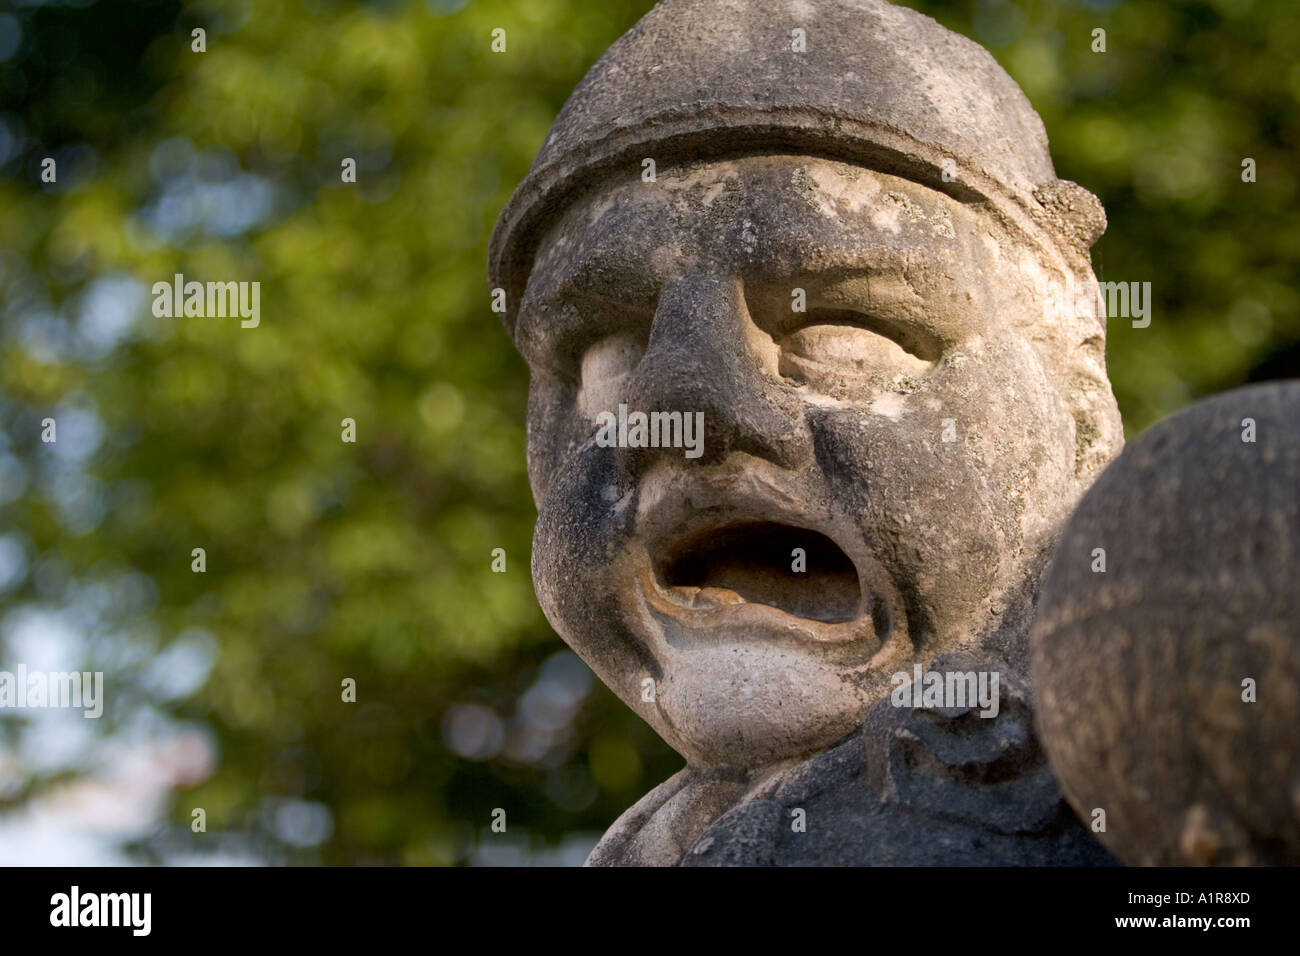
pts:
[738, 581]
[736, 554]
[796, 570]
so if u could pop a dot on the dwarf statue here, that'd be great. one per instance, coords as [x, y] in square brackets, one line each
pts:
[831, 233]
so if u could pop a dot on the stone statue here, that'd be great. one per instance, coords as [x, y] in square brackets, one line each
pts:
[831, 233]
[1191, 635]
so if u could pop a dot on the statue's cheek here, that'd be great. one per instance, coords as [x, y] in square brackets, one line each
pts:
[928, 508]
[582, 521]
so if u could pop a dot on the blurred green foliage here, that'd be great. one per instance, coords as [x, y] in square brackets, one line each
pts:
[372, 560]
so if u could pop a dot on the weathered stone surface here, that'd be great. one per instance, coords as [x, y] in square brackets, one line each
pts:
[1139, 670]
[892, 391]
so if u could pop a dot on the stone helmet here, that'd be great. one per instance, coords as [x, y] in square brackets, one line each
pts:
[874, 84]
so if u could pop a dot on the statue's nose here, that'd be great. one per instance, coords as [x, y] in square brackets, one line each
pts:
[706, 355]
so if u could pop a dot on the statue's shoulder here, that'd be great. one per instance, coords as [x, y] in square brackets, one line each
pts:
[659, 828]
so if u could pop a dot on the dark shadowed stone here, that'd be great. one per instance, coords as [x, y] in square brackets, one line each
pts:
[913, 788]
[1139, 670]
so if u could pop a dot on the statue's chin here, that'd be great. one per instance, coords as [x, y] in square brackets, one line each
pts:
[750, 706]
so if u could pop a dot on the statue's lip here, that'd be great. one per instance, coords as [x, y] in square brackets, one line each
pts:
[677, 509]
[747, 620]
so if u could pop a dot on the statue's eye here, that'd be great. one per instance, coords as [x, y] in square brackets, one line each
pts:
[845, 348]
[605, 368]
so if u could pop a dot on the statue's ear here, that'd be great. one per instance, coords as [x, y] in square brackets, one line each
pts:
[1072, 212]
[1099, 433]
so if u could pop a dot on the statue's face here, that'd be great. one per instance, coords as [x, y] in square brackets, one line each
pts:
[884, 449]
